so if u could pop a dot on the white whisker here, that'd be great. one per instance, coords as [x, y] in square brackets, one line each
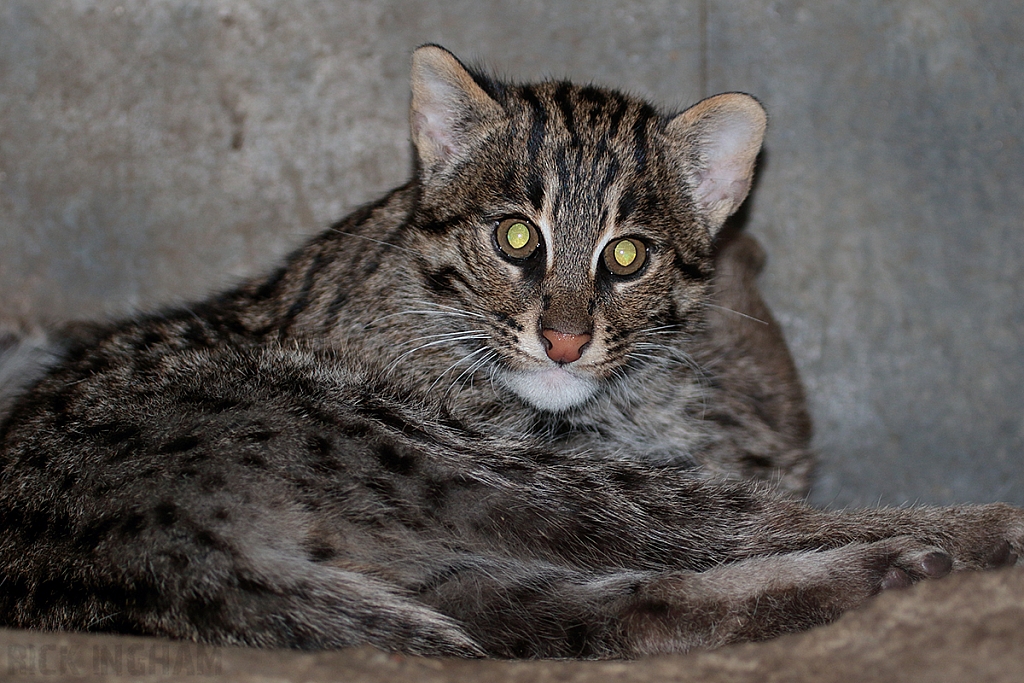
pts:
[421, 312]
[673, 355]
[453, 365]
[438, 310]
[481, 334]
[452, 308]
[471, 370]
[742, 315]
[371, 239]
[402, 357]
[646, 355]
[658, 329]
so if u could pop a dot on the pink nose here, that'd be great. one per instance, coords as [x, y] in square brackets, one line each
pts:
[565, 348]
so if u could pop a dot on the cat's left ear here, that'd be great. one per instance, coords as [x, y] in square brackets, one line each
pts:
[718, 140]
[449, 111]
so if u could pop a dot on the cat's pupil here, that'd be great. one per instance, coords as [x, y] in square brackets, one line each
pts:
[625, 253]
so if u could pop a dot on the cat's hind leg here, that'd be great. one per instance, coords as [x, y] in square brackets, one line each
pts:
[250, 582]
[755, 394]
[765, 597]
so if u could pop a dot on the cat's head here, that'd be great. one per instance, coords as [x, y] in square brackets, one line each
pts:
[573, 225]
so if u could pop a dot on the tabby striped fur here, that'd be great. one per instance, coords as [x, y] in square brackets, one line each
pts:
[375, 444]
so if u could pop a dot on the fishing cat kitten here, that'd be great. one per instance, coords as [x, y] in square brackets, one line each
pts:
[503, 411]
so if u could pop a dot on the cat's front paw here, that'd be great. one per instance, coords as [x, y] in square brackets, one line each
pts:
[976, 536]
[1003, 555]
[762, 597]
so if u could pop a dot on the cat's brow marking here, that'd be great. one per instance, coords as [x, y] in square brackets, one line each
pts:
[606, 236]
[546, 220]
[544, 223]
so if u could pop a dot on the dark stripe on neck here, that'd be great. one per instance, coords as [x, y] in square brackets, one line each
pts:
[301, 301]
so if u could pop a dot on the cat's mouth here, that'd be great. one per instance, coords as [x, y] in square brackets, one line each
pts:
[553, 389]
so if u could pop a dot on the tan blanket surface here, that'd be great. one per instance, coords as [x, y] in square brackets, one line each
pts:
[968, 627]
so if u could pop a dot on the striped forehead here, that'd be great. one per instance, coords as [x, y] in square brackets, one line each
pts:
[576, 235]
[576, 110]
[584, 143]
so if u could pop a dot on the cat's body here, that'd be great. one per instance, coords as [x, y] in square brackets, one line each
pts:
[517, 408]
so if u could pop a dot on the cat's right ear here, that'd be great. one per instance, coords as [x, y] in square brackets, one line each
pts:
[449, 111]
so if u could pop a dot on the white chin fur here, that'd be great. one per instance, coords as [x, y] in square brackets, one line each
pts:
[552, 389]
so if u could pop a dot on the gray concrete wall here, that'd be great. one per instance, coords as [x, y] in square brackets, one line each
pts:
[151, 151]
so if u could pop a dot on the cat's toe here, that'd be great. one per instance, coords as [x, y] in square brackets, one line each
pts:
[896, 578]
[928, 563]
[1008, 523]
[935, 564]
[1001, 556]
[907, 561]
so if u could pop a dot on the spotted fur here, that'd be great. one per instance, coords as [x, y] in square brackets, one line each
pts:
[373, 445]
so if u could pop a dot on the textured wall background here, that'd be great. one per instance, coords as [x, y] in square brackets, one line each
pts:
[150, 151]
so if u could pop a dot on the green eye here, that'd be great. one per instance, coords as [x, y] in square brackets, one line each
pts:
[625, 256]
[518, 235]
[517, 238]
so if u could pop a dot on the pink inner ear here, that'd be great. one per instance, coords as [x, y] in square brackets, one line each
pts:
[439, 102]
[448, 107]
[729, 144]
[727, 150]
[431, 126]
[719, 139]
[715, 186]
